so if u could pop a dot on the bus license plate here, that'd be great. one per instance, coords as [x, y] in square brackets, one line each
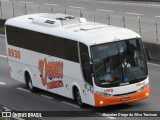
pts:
[125, 99]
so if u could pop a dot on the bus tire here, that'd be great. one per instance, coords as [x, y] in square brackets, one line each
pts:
[78, 98]
[29, 83]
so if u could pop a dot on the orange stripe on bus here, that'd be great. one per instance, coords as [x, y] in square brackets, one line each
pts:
[106, 101]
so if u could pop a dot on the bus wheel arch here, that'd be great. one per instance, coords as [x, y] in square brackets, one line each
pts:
[28, 81]
[77, 96]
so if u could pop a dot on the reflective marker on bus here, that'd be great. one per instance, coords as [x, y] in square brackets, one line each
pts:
[92, 63]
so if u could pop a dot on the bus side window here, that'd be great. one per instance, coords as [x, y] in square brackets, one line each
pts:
[85, 63]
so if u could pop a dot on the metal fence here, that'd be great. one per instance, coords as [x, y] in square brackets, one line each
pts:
[148, 29]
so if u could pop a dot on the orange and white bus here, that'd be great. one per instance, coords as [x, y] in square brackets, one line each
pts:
[89, 62]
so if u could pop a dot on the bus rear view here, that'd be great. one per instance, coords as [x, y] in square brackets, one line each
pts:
[89, 62]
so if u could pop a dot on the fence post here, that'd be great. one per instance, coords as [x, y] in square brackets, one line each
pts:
[156, 31]
[51, 9]
[1, 8]
[38, 9]
[139, 21]
[109, 19]
[25, 5]
[65, 11]
[94, 19]
[81, 14]
[13, 9]
[124, 22]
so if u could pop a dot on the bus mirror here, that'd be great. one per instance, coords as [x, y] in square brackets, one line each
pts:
[148, 55]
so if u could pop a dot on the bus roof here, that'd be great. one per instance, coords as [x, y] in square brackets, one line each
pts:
[70, 27]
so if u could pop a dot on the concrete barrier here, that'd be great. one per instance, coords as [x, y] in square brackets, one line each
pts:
[19, 8]
[32, 8]
[105, 17]
[88, 15]
[7, 9]
[74, 12]
[154, 50]
[57, 9]
[45, 9]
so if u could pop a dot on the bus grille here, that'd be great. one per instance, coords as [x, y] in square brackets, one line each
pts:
[125, 93]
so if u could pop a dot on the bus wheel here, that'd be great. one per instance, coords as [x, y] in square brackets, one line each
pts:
[78, 98]
[29, 83]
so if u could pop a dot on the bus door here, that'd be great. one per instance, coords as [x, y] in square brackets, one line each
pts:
[86, 71]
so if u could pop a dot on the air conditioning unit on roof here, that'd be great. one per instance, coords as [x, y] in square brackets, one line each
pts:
[55, 20]
[46, 21]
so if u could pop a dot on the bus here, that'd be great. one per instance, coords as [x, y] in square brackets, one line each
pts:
[89, 62]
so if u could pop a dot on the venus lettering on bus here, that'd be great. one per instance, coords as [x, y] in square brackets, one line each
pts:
[52, 71]
[108, 90]
[14, 53]
[140, 84]
[54, 84]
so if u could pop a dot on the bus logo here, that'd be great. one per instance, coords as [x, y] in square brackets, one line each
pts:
[51, 73]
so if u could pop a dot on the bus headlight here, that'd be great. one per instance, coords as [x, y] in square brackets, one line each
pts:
[104, 94]
[147, 94]
[142, 88]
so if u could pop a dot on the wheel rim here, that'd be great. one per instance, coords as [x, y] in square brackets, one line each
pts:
[30, 85]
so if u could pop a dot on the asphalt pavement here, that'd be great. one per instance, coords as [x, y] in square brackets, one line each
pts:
[15, 94]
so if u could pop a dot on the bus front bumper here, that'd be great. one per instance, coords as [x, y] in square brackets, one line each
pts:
[106, 101]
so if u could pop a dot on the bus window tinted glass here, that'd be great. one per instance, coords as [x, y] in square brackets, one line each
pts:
[119, 62]
[43, 43]
[85, 62]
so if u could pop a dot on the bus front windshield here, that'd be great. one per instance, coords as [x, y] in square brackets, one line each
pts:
[119, 63]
